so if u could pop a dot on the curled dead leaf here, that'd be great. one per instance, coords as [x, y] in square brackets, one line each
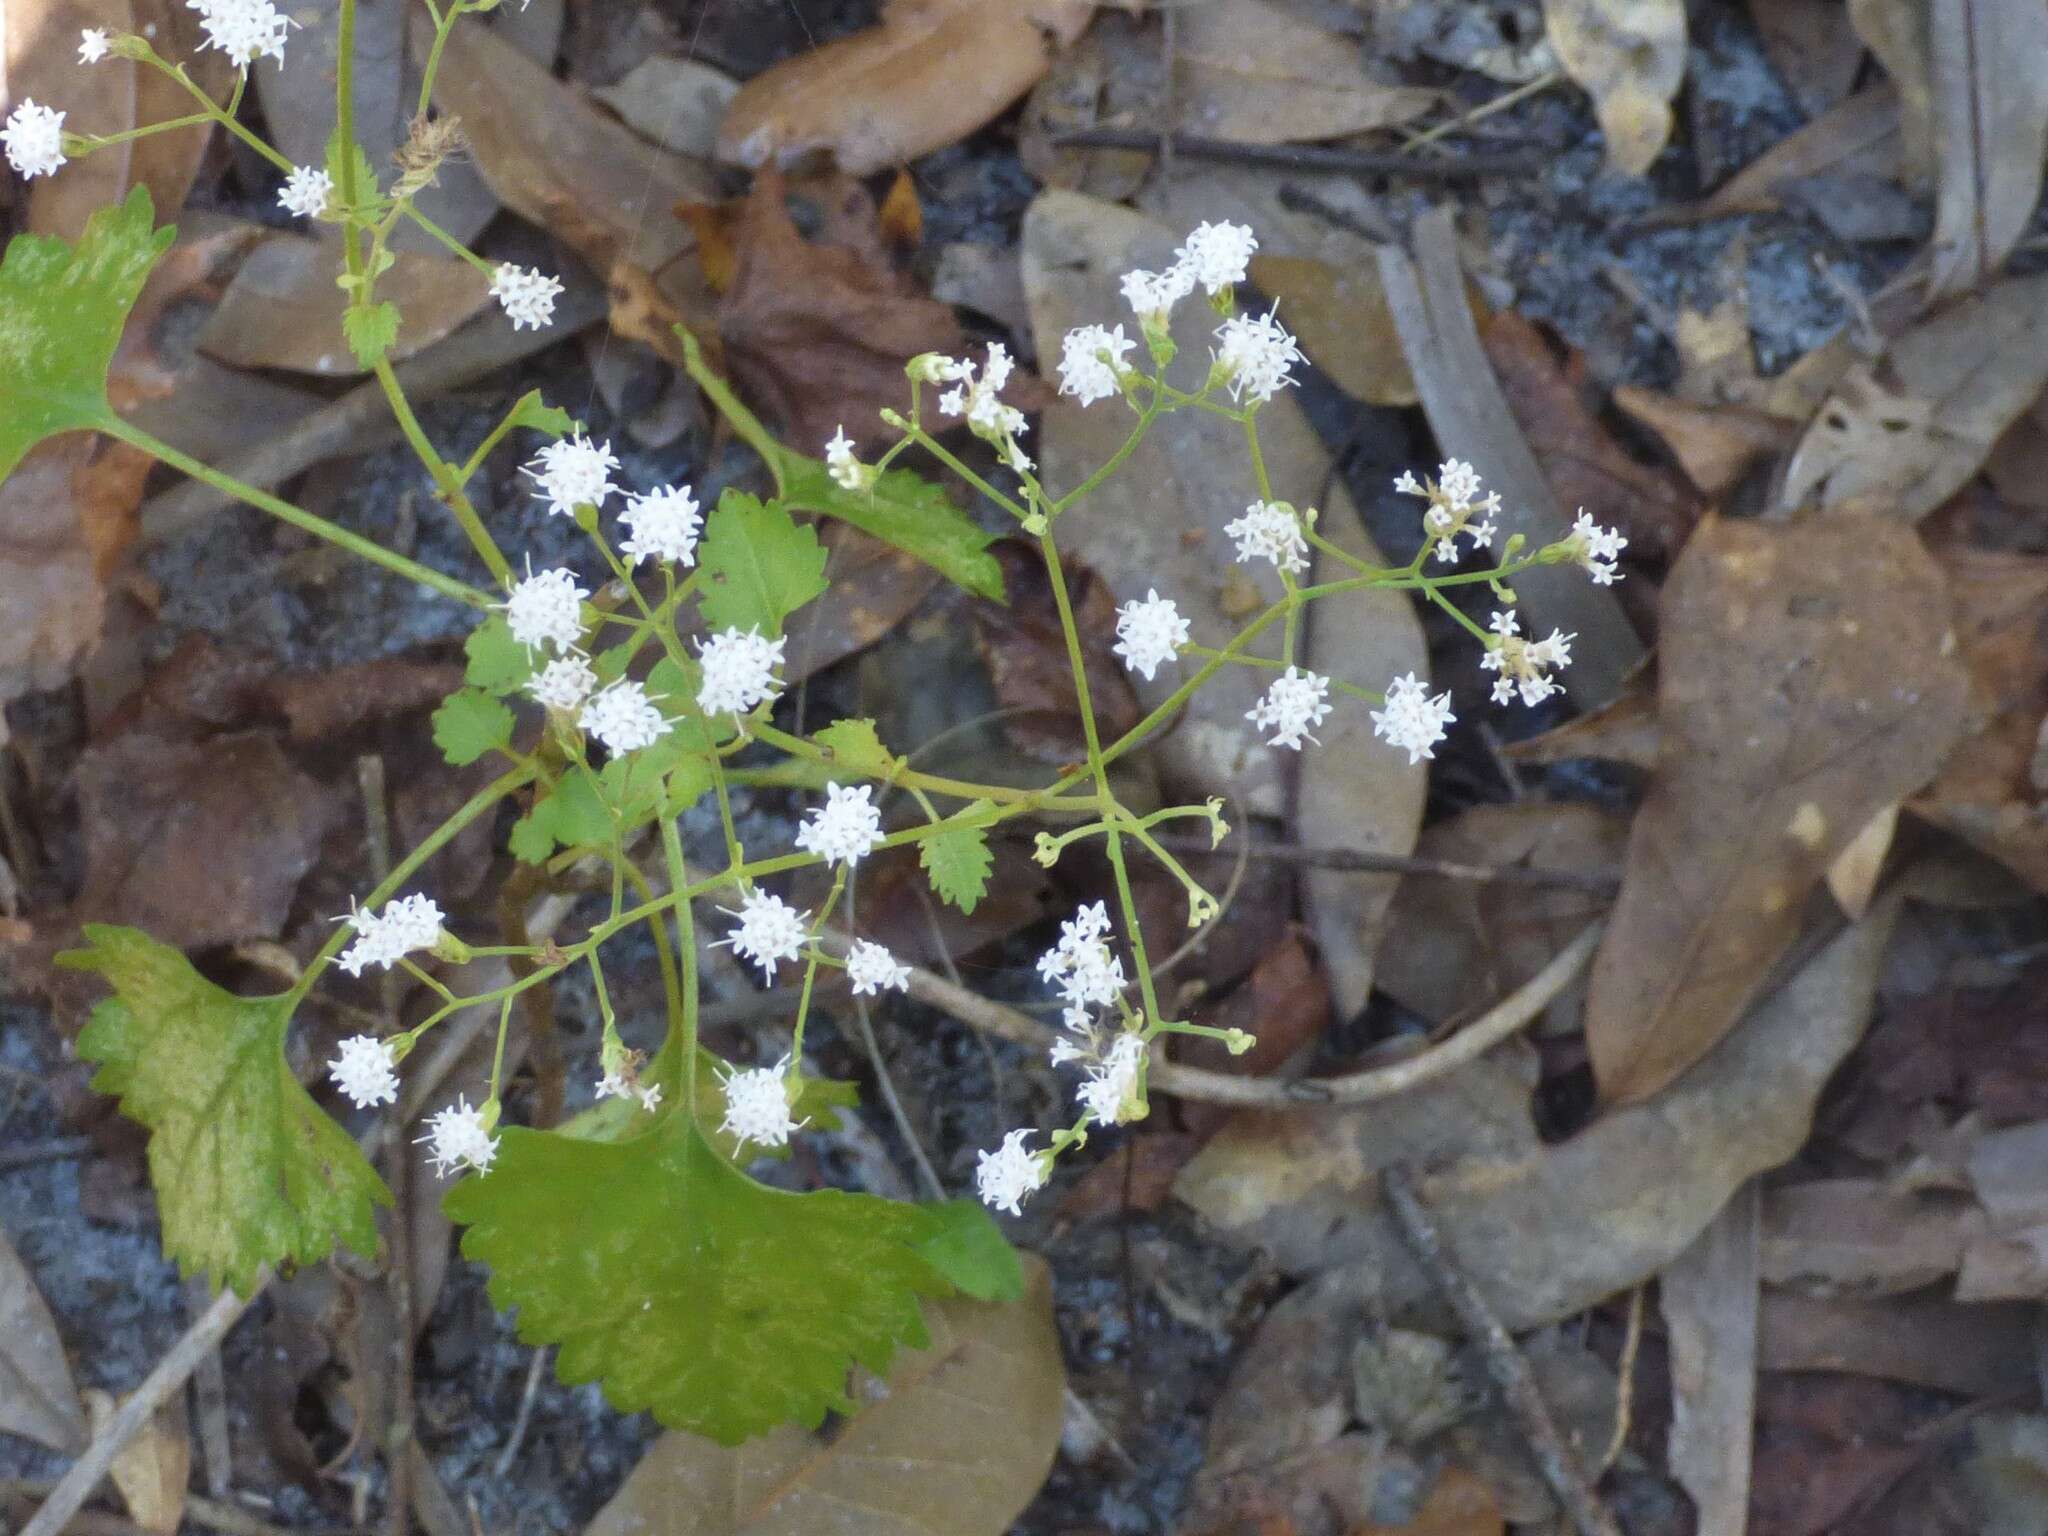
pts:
[1630, 57]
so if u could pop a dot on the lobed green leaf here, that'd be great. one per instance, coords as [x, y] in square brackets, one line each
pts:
[759, 565]
[904, 509]
[957, 861]
[470, 723]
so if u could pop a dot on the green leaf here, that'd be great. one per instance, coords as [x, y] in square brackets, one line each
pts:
[684, 1287]
[572, 814]
[248, 1171]
[532, 838]
[759, 565]
[855, 746]
[366, 173]
[904, 509]
[497, 662]
[61, 312]
[535, 413]
[370, 330]
[958, 861]
[470, 723]
[969, 1249]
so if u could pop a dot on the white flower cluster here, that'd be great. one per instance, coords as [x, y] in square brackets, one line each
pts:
[616, 1084]
[1297, 700]
[545, 609]
[843, 829]
[1149, 633]
[1092, 363]
[526, 294]
[757, 1105]
[1009, 1173]
[1270, 531]
[1597, 549]
[573, 472]
[458, 1137]
[1524, 666]
[563, 683]
[846, 470]
[244, 30]
[383, 938]
[306, 191]
[662, 524]
[34, 139]
[975, 395]
[1258, 353]
[1217, 255]
[366, 1071]
[1412, 719]
[624, 719]
[770, 931]
[1454, 502]
[1086, 971]
[870, 967]
[739, 672]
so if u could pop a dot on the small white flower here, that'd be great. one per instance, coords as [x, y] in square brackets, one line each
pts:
[526, 294]
[1155, 293]
[757, 1105]
[458, 1138]
[546, 609]
[662, 524]
[1110, 1091]
[1455, 507]
[976, 398]
[365, 1071]
[649, 1095]
[739, 672]
[613, 1085]
[1150, 632]
[1412, 719]
[1257, 352]
[1523, 666]
[1005, 1176]
[563, 683]
[870, 968]
[245, 30]
[34, 139]
[92, 45]
[846, 470]
[624, 718]
[383, 938]
[1216, 254]
[573, 472]
[844, 828]
[1598, 549]
[1092, 363]
[1269, 531]
[770, 931]
[305, 192]
[1087, 972]
[1296, 701]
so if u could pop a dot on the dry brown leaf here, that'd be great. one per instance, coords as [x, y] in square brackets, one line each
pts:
[152, 1470]
[57, 510]
[562, 164]
[1630, 57]
[956, 1441]
[38, 1398]
[1114, 77]
[2018, 466]
[1709, 1300]
[1472, 420]
[1896, 31]
[1266, 72]
[1979, 1351]
[1586, 468]
[1907, 435]
[1806, 680]
[283, 309]
[1716, 445]
[1989, 791]
[1990, 104]
[1340, 318]
[816, 335]
[931, 73]
[1857, 137]
[875, 586]
[1543, 1231]
[1622, 731]
[1454, 946]
[1860, 1237]
[1813, 48]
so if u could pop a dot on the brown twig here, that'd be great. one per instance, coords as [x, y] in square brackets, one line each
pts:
[1625, 1379]
[1354, 859]
[1309, 159]
[1555, 1456]
[210, 1400]
[524, 1417]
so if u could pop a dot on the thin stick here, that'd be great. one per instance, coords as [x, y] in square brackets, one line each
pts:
[1310, 159]
[1625, 1379]
[1555, 1457]
[76, 1485]
[1355, 859]
[524, 1417]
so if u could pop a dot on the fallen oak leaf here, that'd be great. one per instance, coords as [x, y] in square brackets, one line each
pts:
[899, 90]
[1807, 680]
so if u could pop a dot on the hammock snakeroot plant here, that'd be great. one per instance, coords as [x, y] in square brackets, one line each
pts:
[633, 1237]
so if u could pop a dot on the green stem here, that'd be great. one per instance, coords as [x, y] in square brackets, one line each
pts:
[1115, 460]
[444, 474]
[115, 427]
[686, 952]
[443, 25]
